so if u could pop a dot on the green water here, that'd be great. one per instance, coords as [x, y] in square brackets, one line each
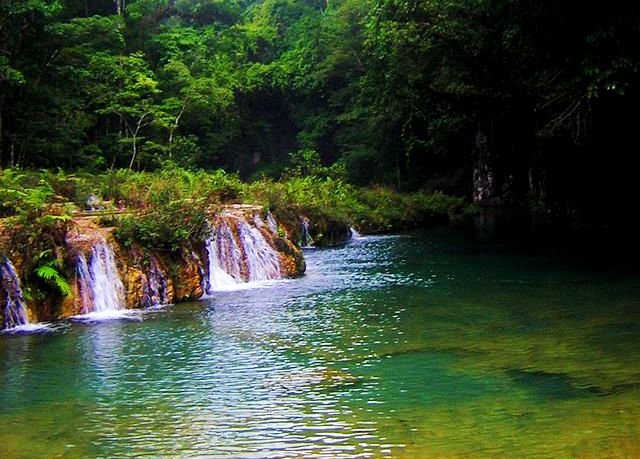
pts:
[426, 345]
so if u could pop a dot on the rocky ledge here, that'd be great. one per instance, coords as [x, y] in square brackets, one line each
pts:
[246, 244]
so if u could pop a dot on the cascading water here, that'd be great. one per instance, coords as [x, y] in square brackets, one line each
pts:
[261, 259]
[239, 253]
[306, 239]
[85, 292]
[14, 309]
[227, 251]
[101, 289]
[218, 278]
[272, 223]
[155, 286]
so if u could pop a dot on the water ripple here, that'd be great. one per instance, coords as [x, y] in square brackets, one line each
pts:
[384, 348]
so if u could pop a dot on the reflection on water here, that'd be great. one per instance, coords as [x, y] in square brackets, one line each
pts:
[415, 346]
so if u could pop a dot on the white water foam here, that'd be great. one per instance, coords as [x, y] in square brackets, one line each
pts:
[355, 234]
[38, 327]
[101, 290]
[240, 257]
[105, 316]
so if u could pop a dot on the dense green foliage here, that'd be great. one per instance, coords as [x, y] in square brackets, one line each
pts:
[37, 220]
[505, 100]
[369, 209]
[168, 207]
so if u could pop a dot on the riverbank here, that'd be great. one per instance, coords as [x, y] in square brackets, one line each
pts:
[169, 236]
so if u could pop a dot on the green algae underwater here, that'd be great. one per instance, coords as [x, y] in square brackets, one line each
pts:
[425, 345]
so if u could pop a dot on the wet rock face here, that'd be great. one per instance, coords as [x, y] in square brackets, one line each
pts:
[292, 262]
[147, 277]
[3, 300]
[291, 258]
[189, 276]
[317, 230]
[157, 286]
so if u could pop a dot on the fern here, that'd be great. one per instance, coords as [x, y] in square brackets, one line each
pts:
[51, 219]
[50, 274]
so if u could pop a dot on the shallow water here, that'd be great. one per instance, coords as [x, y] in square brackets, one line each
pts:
[425, 345]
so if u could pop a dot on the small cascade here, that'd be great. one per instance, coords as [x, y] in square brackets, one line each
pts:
[272, 223]
[228, 254]
[14, 308]
[85, 291]
[257, 221]
[101, 289]
[354, 233]
[218, 278]
[240, 253]
[155, 286]
[306, 241]
[261, 259]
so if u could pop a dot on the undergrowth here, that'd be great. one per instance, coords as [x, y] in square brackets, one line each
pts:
[168, 207]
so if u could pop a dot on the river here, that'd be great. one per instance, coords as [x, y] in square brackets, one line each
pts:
[425, 345]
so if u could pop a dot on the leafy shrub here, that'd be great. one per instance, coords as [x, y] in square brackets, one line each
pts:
[168, 226]
[168, 207]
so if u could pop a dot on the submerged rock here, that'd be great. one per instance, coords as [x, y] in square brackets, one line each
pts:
[328, 378]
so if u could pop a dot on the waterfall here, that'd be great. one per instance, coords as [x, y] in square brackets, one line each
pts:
[101, 289]
[272, 223]
[227, 253]
[306, 241]
[155, 286]
[262, 260]
[218, 278]
[85, 291]
[354, 233]
[240, 253]
[14, 308]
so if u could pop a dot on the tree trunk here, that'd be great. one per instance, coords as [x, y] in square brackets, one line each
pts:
[174, 128]
[139, 125]
[120, 6]
[135, 152]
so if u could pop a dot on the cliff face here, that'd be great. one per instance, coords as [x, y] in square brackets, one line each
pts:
[93, 259]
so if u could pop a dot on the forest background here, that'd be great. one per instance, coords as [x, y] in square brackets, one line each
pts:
[501, 101]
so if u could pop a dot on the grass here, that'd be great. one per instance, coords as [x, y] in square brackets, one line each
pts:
[165, 208]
